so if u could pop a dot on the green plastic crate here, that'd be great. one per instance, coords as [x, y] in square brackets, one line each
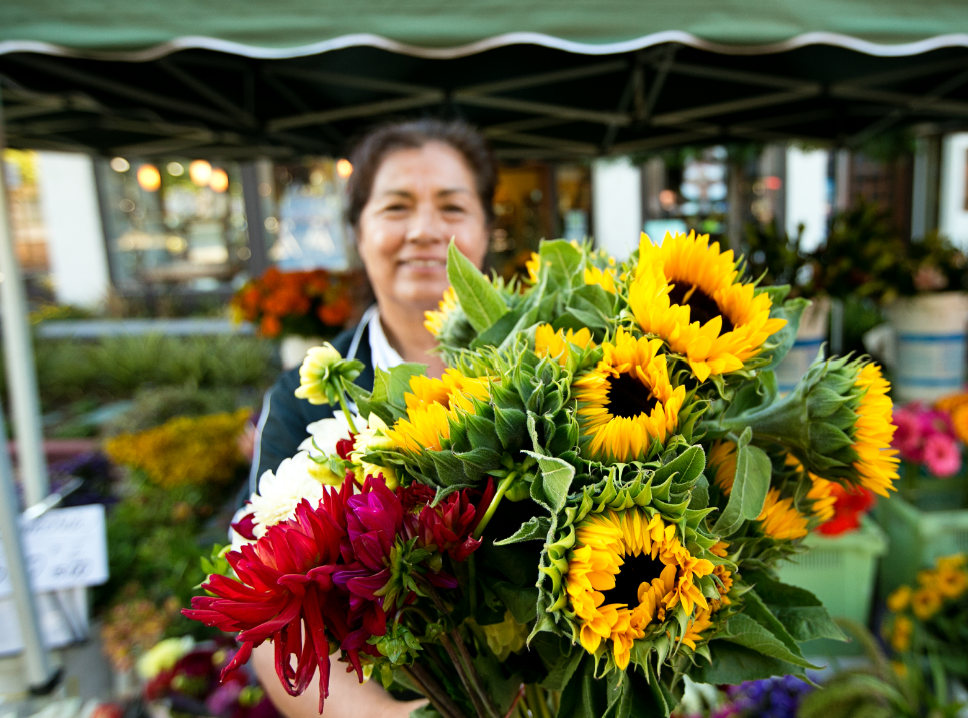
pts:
[839, 570]
[916, 539]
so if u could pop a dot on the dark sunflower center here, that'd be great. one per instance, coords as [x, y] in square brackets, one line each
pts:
[628, 397]
[636, 571]
[703, 307]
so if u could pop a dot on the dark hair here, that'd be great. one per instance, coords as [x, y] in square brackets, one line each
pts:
[372, 149]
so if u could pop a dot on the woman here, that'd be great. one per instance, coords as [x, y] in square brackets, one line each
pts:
[414, 186]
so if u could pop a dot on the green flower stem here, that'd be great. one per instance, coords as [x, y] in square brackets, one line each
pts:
[495, 502]
[345, 406]
[537, 701]
[784, 422]
[473, 691]
[437, 696]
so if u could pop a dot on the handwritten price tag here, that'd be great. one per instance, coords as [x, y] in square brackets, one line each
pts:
[64, 548]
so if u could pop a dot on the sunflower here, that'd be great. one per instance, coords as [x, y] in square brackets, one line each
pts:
[627, 571]
[603, 278]
[547, 342]
[722, 464]
[779, 520]
[821, 493]
[877, 462]
[686, 292]
[627, 401]
[431, 405]
[435, 320]
[724, 585]
[695, 627]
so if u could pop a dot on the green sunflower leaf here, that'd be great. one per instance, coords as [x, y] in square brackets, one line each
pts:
[733, 664]
[752, 482]
[688, 465]
[479, 299]
[748, 633]
[560, 264]
[536, 528]
[552, 485]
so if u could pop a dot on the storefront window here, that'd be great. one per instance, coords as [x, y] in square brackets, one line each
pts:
[173, 224]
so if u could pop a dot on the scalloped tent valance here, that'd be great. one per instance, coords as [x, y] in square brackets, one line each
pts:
[563, 79]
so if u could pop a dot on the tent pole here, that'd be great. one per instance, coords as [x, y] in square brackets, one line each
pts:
[40, 674]
[19, 359]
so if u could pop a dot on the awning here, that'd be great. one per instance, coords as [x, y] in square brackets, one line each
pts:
[563, 79]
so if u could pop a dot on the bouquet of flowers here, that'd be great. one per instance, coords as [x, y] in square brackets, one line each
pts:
[315, 303]
[586, 507]
[929, 620]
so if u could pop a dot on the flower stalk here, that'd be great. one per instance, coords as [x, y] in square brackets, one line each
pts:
[502, 489]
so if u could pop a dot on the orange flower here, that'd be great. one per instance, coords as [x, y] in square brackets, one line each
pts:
[270, 326]
[335, 313]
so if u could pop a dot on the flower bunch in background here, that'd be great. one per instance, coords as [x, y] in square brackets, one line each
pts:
[184, 677]
[767, 698]
[928, 621]
[185, 450]
[926, 437]
[591, 501]
[313, 303]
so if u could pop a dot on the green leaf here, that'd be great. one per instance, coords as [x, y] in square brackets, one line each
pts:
[732, 664]
[757, 610]
[535, 529]
[748, 633]
[399, 381]
[797, 609]
[752, 482]
[688, 465]
[561, 671]
[551, 486]
[561, 262]
[479, 299]
[521, 602]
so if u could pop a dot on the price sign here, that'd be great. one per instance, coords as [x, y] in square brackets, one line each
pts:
[64, 548]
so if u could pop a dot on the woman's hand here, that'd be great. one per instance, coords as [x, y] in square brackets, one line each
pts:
[347, 698]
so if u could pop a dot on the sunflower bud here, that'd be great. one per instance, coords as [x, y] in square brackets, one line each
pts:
[321, 373]
[837, 422]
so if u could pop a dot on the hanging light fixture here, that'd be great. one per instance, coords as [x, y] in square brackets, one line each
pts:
[149, 178]
[344, 168]
[219, 181]
[200, 171]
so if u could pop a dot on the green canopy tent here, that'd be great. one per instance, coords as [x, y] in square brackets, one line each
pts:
[570, 78]
[562, 79]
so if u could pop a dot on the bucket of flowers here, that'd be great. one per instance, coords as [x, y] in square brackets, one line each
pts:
[301, 308]
[929, 517]
[586, 508]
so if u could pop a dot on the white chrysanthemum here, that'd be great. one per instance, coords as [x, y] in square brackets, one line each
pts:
[324, 434]
[280, 492]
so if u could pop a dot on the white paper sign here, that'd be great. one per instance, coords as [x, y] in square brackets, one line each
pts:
[64, 548]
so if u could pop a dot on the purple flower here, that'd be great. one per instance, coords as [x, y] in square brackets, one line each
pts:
[223, 699]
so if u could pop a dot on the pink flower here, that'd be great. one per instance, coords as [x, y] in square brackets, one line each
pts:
[907, 438]
[934, 422]
[942, 456]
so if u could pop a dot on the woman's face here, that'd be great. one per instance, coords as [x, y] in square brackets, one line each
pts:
[419, 200]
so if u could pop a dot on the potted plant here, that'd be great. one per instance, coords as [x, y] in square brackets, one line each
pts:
[931, 451]
[302, 308]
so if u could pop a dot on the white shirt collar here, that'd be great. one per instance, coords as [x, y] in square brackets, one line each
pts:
[382, 354]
